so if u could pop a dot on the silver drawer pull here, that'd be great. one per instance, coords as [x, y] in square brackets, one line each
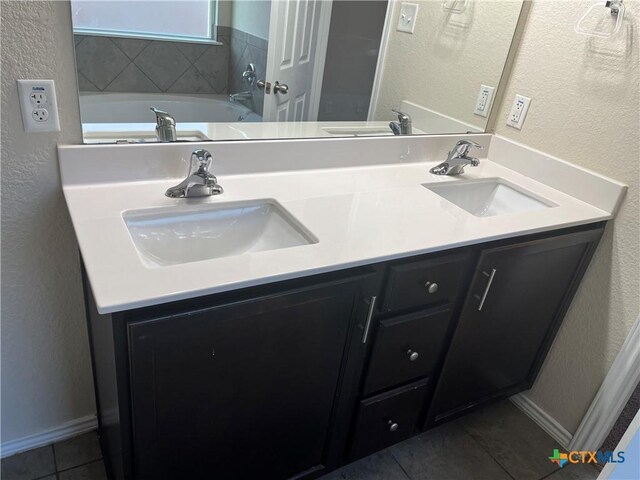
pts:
[413, 356]
[487, 288]
[393, 426]
[431, 287]
[367, 325]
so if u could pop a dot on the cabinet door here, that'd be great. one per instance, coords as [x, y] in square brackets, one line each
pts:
[517, 300]
[240, 391]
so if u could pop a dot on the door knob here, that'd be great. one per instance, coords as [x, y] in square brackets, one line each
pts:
[413, 356]
[280, 88]
[393, 426]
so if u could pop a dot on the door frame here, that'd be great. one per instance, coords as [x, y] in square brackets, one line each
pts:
[382, 53]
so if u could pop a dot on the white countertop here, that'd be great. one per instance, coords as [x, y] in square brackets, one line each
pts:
[360, 215]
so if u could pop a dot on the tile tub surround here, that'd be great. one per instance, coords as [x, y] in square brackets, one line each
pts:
[115, 64]
[341, 190]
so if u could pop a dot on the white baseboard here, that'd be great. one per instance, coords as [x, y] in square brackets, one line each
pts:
[62, 432]
[543, 419]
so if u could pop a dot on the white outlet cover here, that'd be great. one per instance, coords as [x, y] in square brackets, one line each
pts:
[407, 17]
[39, 106]
[484, 100]
[518, 112]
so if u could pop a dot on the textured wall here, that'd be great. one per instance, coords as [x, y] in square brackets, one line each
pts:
[443, 63]
[251, 16]
[46, 373]
[585, 109]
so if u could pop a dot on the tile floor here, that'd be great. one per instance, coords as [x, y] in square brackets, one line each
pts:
[78, 458]
[496, 443]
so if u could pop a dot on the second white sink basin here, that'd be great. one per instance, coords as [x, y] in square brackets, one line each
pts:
[188, 233]
[489, 197]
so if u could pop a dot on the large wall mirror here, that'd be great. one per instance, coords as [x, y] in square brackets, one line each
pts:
[249, 69]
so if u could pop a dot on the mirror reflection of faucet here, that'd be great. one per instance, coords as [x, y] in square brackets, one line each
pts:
[249, 77]
[403, 125]
[165, 126]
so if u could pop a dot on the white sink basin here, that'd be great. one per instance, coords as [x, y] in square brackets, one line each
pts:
[489, 197]
[188, 233]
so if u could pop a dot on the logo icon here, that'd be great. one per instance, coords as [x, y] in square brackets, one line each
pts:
[560, 458]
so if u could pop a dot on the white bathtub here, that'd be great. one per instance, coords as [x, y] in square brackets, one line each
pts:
[134, 108]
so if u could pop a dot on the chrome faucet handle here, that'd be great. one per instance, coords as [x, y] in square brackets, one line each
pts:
[402, 117]
[162, 117]
[403, 125]
[165, 126]
[201, 160]
[463, 146]
[200, 182]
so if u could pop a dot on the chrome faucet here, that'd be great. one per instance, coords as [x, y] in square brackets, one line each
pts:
[165, 126]
[199, 182]
[403, 125]
[234, 97]
[248, 77]
[457, 159]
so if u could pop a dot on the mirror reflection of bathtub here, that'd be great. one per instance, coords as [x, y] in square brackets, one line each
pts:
[133, 118]
[126, 118]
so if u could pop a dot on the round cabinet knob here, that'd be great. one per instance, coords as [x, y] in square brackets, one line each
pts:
[392, 426]
[431, 287]
[413, 356]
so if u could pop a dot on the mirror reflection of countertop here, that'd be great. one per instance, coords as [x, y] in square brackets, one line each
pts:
[369, 204]
[198, 132]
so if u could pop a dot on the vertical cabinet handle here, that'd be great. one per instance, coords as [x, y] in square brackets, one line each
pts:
[367, 325]
[487, 288]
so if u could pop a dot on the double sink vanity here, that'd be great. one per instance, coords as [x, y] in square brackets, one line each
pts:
[333, 299]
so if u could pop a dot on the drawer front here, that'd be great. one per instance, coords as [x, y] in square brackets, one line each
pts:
[423, 283]
[387, 419]
[407, 347]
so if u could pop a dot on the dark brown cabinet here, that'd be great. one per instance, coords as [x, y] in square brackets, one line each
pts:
[518, 297]
[243, 390]
[295, 378]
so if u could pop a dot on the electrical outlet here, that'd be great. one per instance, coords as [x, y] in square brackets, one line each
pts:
[39, 106]
[518, 112]
[407, 18]
[484, 100]
[40, 114]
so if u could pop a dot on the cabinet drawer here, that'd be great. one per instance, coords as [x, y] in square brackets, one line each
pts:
[407, 347]
[387, 419]
[423, 283]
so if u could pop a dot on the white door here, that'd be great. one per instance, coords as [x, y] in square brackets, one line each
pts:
[298, 34]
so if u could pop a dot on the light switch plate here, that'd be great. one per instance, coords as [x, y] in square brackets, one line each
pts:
[484, 100]
[407, 18]
[518, 112]
[39, 106]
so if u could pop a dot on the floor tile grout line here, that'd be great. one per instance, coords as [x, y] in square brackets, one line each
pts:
[81, 465]
[487, 452]
[55, 460]
[549, 474]
[399, 464]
